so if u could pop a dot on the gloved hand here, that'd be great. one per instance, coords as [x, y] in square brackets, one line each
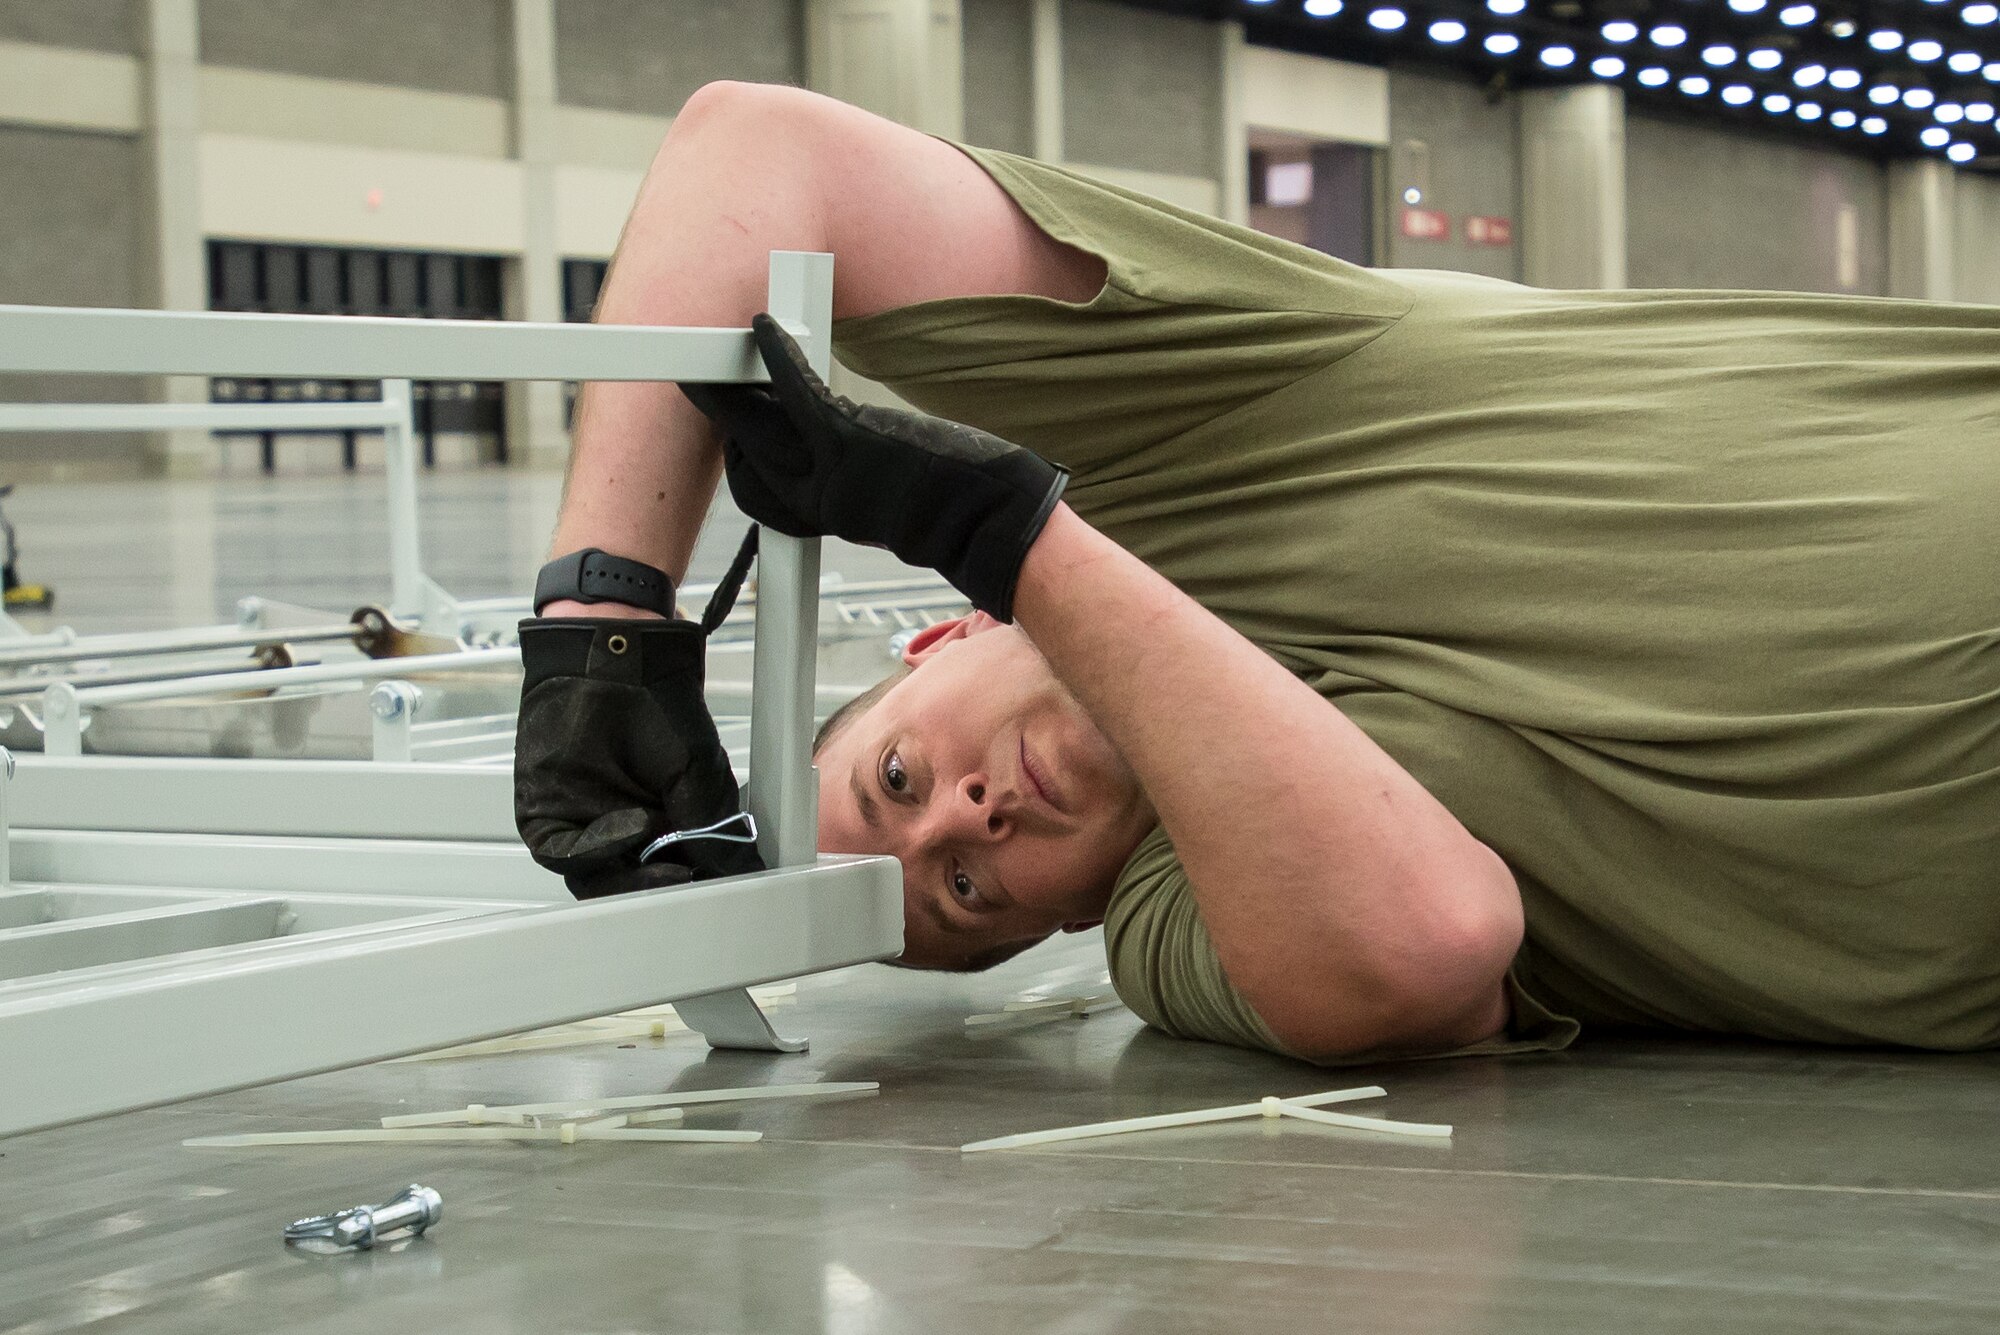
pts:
[614, 748]
[807, 462]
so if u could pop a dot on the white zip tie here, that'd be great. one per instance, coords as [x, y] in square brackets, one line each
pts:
[650, 1022]
[1047, 1008]
[1290, 1108]
[1263, 1108]
[568, 1134]
[661, 1103]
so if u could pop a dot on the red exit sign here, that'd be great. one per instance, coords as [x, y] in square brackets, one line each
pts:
[1489, 231]
[1426, 225]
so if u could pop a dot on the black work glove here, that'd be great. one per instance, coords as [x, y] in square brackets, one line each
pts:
[614, 748]
[807, 462]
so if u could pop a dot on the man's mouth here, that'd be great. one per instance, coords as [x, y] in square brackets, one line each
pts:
[1038, 778]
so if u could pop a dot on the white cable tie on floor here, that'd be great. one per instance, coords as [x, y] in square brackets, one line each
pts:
[568, 1133]
[1290, 1108]
[1088, 1003]
[658, 1104]
[1163, 1120]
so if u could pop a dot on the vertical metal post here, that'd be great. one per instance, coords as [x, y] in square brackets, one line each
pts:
[784, 790]
[6, 830]
[62, 721]
[406, 561]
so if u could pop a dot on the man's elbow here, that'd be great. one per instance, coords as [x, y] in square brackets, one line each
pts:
[1446, 991]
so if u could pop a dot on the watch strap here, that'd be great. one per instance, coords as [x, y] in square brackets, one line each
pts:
[594, 576]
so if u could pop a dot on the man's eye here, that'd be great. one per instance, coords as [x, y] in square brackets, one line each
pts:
[963, 889]
[894, 775]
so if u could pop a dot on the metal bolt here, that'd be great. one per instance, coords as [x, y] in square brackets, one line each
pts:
[392, 698]
[414, 1208]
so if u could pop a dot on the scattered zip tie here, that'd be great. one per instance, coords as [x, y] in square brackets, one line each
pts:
[568, 1133]
[1301, 1107]
[1046, 1008]
[658, 1106]
[622, 1118]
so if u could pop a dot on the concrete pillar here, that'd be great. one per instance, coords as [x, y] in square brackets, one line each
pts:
[1922, 231]
[1573, 187]
[1234, 170]
[536, 435]
[1046, 35]
[176, 261]
[897, 58]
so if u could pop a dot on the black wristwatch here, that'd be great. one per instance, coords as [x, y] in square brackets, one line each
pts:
[592, 576]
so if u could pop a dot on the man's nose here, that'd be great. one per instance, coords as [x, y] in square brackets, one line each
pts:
[974, 810]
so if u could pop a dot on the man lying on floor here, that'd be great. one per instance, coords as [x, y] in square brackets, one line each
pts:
[1413, 662]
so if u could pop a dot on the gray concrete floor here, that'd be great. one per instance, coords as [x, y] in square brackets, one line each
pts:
[1629, 1186]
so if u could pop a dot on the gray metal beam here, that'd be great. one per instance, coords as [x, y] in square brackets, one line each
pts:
[412, 988]
[78, 339]
[78, 943]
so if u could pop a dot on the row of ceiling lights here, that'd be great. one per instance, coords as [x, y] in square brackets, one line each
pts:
[1886, 88]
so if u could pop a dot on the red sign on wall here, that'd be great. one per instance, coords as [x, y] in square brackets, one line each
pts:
[1426, 225]
[1489, 231]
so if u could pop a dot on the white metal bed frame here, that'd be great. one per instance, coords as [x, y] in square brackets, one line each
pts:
[413, 594]
[174, 927]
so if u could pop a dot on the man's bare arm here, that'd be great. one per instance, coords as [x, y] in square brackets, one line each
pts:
[1350, 909]
[748, 169]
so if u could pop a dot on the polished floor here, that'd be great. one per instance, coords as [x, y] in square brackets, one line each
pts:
[1626, 1186]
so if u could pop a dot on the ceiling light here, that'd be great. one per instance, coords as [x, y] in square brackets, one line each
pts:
[1668, 34]
[1809, 76]
[1925, 51]
[1980, 15]
[1718, 55]
[1934, 136]
[1558, 57]
[1323, 9]
[1992, 72]
[1765, 58]
[1607, 67]
[1883, 94]
[1797, 16]
[1947, 113]
[1738, 94]
[1506, 6]
[1777, 103]
[1885, 39]
[1809, 111]
[1387, 20]
[1980, 112]
[1618, 30]
[1746, 6]
[1961, 152]
[1965, 62]
[1918, 99]
[1842, 28]
[1447, 31]
[1653, 76]
[1694, 85]
[1503, 44]
[1845, 80]
[1843, 119]
[1874, 125]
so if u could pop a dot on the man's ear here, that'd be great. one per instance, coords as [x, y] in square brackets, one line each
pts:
[933, 638]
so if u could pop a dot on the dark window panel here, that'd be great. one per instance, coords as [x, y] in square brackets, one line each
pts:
[283, 279]
[403, 284]
[364, 281]
[323, 295]
[233, 275]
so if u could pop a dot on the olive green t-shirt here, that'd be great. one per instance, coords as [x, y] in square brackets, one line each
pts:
[1687, 603]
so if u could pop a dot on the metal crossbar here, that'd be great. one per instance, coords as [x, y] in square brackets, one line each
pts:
[400, 888]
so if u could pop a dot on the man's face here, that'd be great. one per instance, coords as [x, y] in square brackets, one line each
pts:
[1009, 810]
